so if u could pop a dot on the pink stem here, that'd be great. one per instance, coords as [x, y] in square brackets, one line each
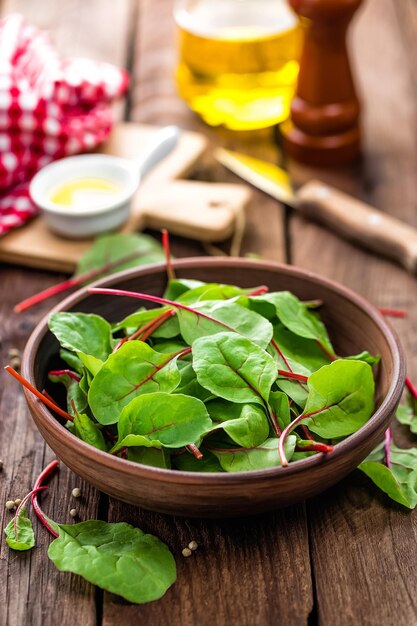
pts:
[167, 250]
[258, 291]
[323, 348]
[143, 329]
[387, 447]
[313, 446]
[194, 451]
[38, 394]
[49, 469]
[288, 430]
[411, 388]
[293, 375]
[20, 507]
[145, 296]
[63, 372]
[393, 312]
[72, 282]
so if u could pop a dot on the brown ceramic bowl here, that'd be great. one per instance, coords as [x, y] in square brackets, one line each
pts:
[353, 324]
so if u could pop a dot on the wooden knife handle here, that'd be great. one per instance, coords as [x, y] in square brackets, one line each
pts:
[360, 222]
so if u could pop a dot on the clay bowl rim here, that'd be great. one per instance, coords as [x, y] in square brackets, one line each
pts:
[117, 464]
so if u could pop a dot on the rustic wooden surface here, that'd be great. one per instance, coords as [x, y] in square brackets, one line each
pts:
[347, 557]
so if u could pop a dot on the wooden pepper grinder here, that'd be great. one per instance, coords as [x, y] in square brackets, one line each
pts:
[323, 129]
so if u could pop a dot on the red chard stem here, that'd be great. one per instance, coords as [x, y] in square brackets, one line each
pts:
[21, 505]
[387, 447]
[288, 430]
[65, 372]
[38, 394]
[194, 451]
[411, 388]
[167, 250]
[293, 375]
[49, 469]
[393, 312]
[72, 282]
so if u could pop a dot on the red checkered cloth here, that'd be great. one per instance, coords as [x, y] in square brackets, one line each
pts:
[49, 108]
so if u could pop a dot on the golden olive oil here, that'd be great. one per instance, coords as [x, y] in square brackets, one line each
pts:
[238, 61]
[83, 192]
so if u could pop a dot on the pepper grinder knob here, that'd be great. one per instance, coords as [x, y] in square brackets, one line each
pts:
[323, 128]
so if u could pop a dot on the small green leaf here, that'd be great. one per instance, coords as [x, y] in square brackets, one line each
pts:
[364, 356]
[399, 481]
[162, 419]
[405, 415]
[188, 463]
[247, 459]
[233, 368]
[210, 291]
[82, 332]
[154, 457]
[178, 286]
[116, 557]
[278, 401]
[75, 394]
[246, 424]
[133, 370]
[25, 539]
[109, 248]
[341, 397]
[88, 431]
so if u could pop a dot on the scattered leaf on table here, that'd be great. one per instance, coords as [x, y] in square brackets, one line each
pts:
[25, 537]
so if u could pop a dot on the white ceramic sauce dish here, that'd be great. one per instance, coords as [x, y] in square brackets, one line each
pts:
[89, 219]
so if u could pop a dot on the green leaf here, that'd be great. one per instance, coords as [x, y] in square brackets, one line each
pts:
[233, 368]
[109, 248]
[71, 360]
[91, 364]
[133, 370]
[188, 463]
[210, 291]
[149, 456]
[295, 316]
[246, 424]
[226, 317]
[117, 557]
[278, 401]
[190, 386]
[178, 286]
[139, 318]
[405, 415]
[162, 419]
[75, 394]
[342, 396]
[82, 332]
[303, 355]
[25, 539]
[247, 459]
[399, 481]
[88, 431]
[364, 356]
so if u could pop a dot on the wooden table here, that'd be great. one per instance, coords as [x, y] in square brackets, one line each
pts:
[348, 556]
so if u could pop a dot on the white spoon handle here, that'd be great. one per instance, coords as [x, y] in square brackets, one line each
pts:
[161, 145]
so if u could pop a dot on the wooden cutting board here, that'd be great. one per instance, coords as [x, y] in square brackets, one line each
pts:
[203, 211]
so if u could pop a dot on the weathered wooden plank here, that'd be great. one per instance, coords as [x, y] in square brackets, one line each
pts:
[32, 590]
[363, 548]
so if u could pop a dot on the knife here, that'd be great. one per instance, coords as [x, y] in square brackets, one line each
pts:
[344, 214]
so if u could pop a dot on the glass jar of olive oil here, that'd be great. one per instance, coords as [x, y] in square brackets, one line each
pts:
[238, 60]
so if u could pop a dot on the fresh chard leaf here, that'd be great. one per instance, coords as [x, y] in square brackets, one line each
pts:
[162, 419]
[246, 424]
[234, 368]
[25, 539]
[88, 431]
[190, 386]
[71, 360]
[278, 401]
[116, 557]
[294, 315]
[133, 370]
[364, 356]
[155, 457]
[247, 459]
[340, 399]
[399, 481]
[142, 250]
[210, 318]
[405, 415]
[188, 463]
[177, 287]
[136, 320]
[91, 364]
[82, 333]
[302, 355]
[76, 397]
[297, 392]
[210, 291]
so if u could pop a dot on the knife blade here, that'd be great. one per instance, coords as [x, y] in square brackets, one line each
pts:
[344, 214]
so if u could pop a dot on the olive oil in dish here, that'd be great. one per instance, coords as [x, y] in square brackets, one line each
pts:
[81, 192]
